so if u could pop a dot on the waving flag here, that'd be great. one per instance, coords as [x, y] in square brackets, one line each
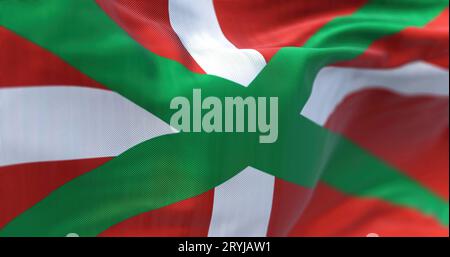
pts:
[86, 145]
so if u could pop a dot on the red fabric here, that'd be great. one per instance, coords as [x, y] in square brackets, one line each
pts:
[23, 63]
[190, 217]
[148, 23]
[332, 213]
[428, 44]
[24, 185]
[289, 201]
[408, 132]
[267, 25]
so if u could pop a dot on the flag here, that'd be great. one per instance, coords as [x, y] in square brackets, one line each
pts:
[87, 147]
